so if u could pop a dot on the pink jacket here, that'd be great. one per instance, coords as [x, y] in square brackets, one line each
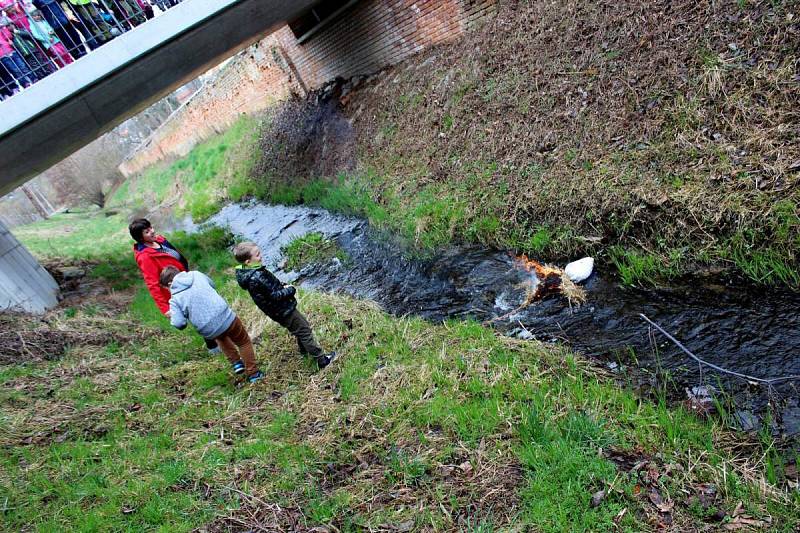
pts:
[17, 14]
[6, 38]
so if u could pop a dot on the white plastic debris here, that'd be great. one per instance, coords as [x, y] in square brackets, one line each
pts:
[579, 270]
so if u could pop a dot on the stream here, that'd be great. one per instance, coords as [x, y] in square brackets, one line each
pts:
[746, 330]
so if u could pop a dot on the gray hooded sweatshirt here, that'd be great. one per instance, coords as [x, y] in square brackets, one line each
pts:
[194, 299]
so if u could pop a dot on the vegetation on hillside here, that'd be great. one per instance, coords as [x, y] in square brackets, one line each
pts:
[198, 183]
[658, 134]
[313, 248]
[416, 426]
[583, 128]
[661, 136]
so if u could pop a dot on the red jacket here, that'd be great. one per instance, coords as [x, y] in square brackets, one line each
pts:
[151, 262]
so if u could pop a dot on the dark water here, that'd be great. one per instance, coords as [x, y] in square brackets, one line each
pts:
[754, 332]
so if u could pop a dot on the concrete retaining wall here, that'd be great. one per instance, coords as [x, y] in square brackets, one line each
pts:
[24, 284]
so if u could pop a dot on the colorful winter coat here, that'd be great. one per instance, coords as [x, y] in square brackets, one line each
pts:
[195, 299]
[43, 32]
[52, 12]
[6, 41]
[18, 17]
[151, 262]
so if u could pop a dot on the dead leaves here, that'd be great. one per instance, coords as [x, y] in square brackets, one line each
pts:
[665, 505]
[597, 498]
[743, 521]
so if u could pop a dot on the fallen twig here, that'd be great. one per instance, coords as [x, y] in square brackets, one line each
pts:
[766, 381]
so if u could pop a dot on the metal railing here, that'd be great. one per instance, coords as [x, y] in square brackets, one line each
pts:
[38, 37]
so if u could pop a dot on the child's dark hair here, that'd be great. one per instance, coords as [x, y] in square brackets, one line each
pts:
[137, 227]
[167, 275]
[244, 251]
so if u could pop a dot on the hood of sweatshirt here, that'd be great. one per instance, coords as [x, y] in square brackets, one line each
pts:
[182, 281]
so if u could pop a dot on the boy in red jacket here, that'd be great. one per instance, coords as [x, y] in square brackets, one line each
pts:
[153, 253]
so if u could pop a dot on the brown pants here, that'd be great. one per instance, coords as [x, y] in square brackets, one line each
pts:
[235, 344]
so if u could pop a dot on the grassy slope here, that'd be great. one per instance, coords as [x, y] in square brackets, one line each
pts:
[448, 427]
[660, 136]
[214, 170]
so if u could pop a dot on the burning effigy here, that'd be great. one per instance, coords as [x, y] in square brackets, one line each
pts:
[549, 280]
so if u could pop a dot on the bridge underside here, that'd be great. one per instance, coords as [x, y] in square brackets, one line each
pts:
[77, 104]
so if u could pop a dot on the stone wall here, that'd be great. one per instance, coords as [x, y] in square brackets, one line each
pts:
[365, 38]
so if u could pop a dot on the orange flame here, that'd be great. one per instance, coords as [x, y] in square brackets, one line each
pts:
[542, 271]
[549, 277]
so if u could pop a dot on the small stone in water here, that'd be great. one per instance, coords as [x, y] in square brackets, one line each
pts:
[525, 335]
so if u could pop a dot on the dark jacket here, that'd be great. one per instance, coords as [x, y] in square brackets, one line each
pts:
[52, 12]
[267, 291]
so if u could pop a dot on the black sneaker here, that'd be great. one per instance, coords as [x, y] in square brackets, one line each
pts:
[326, 359]
[238, 367]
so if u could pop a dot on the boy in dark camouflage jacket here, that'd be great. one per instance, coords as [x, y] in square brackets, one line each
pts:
[276, 300]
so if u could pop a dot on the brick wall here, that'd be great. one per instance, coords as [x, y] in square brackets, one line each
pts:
[374, 34]
[369, 36]
[249, 83]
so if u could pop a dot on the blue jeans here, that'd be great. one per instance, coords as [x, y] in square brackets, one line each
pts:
[17, 67]
[7, 83]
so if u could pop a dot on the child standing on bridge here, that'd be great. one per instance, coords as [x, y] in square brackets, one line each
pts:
[46, 36]
[276, 300]
[194, 299]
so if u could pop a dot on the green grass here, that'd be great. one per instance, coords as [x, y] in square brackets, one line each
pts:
[311, 249]
[155, 434]
[637, 268]
[458, 145]
[432, 217]
[78, 235]
[428, 217]
[428, 214]
[214, 170]
[764, 264]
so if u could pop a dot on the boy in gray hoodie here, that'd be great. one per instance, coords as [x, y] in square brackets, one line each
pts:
[194, 299]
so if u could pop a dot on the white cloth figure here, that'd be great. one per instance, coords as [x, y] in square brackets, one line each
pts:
[579, 270]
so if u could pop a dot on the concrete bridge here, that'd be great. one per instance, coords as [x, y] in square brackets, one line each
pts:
[75, 105]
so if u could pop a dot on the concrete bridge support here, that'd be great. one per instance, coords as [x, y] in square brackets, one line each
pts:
[24, 284]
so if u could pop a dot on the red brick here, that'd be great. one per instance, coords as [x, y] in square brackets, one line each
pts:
[370, 36]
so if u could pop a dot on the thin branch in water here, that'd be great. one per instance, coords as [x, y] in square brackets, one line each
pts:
[767, 381]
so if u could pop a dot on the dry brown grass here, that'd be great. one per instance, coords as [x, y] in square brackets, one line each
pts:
[657, 125]
[26, 339]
